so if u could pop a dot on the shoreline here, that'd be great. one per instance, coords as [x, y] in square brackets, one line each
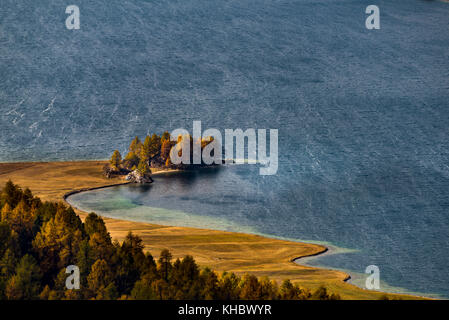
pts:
[294, 260]
[220, 250]
[159, 172]
[71, 193]
[325, 250]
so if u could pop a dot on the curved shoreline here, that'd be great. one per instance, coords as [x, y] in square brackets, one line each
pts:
[71, 193]
[325, 250]
[293, 260]
[220, 250]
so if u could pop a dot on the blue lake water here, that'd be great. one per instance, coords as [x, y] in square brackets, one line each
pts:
[362, 116]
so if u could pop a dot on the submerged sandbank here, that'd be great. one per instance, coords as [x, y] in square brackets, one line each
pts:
[220, 250]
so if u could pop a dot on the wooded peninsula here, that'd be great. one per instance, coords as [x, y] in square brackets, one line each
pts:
[153, 153]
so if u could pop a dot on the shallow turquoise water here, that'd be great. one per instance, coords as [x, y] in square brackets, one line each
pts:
[362, 115]
[235, 198]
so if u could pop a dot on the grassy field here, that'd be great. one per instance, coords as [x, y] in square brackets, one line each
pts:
[219, 250]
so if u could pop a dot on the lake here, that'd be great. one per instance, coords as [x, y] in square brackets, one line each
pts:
[362, 116]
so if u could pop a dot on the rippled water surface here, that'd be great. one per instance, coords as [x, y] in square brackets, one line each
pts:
[362, 116]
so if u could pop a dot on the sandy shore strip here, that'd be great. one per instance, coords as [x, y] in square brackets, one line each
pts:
[220, 250]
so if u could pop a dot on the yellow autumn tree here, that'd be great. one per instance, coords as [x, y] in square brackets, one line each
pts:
[116, 160]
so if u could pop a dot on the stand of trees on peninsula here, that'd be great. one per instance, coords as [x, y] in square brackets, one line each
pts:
[39, 240]
[154, 152]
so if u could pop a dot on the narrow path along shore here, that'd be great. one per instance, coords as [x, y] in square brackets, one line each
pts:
[220, 250]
